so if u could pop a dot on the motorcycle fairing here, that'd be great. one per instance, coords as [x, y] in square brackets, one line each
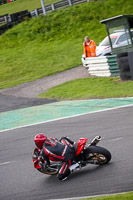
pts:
[36, 164]
[81, 143]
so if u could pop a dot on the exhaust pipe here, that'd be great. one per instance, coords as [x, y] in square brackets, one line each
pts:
[95, 140]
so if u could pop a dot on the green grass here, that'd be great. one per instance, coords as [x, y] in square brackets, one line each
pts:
[20, 5]
[90, 88]
[49, 44]
[35, 61]
[126, 196]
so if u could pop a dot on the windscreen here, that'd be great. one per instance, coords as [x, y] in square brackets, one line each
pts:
[124, 39]
[105, 42]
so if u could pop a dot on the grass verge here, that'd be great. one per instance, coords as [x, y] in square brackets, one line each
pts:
[125, 196]
[36, 60]
[90, 88]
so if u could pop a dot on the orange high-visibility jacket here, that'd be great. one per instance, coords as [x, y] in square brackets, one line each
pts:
[90, 50]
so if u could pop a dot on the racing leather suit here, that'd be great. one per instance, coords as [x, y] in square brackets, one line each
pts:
[62, 150]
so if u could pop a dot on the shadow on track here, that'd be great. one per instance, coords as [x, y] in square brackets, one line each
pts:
[88, 171]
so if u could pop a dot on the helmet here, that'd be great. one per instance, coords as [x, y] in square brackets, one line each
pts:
[39, 140]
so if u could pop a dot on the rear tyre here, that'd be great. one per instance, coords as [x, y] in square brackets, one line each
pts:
[97, 154]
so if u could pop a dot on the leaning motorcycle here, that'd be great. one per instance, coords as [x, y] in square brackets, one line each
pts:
[84, 154]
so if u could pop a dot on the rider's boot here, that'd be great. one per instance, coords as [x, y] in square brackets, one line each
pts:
[74, 166]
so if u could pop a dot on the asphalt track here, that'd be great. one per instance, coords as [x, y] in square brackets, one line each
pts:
[19, 180]
[8, 102]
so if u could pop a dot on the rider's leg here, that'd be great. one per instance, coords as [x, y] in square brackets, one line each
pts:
[64, 171]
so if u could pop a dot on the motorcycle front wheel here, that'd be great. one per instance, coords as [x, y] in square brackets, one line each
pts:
[97, 155]
[48, 171]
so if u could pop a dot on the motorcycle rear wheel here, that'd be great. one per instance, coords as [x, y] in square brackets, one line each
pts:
[99, 155]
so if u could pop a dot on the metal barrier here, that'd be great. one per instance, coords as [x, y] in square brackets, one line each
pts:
[3, 19]
[103, 66]
[49, 8]
[57, 5]
[7, 21]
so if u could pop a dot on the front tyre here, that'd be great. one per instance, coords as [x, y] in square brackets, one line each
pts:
[48, 171]
[97, 155]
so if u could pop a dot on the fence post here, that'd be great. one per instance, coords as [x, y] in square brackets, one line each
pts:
[43, 7]
[9, 19]
[5, 17]
[36, 12]
[70, 2]
[52, 6]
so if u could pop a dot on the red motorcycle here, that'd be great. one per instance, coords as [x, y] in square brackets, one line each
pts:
[85, 154]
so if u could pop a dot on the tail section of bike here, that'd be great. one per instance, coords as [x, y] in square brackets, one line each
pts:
[80, 145]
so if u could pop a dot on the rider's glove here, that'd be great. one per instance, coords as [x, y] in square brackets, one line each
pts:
[44, 164]
[41, 159]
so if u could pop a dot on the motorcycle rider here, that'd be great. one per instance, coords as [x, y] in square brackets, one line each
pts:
[62, 150]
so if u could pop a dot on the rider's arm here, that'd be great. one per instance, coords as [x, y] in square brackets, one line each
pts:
[68, 139]
[45, 157]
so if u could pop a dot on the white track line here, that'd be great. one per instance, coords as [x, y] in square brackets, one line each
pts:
[6, 163]
[86, 197]
[43, 122]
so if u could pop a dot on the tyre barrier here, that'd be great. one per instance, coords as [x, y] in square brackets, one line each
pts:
[13, 19]
[125, 66]
[103, 66]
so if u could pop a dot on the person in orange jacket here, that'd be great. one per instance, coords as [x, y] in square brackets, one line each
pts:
[89, 48]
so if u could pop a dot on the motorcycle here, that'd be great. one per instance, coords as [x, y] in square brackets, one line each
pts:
[85, 154]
